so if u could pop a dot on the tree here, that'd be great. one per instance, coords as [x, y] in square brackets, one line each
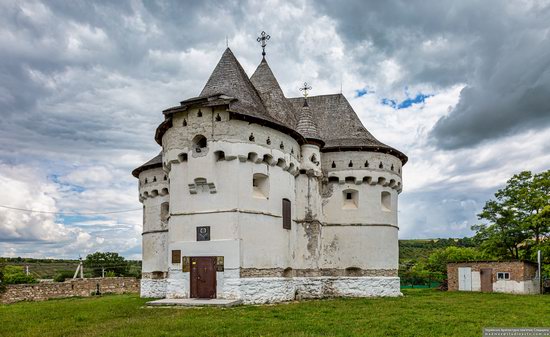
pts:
[437, 261]
[518, 218]
[110, 261]
[16, 275]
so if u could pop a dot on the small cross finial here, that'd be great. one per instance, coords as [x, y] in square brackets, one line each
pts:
[305, 88]
[262, 39]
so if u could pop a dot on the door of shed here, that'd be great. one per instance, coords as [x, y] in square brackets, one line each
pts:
[486, 280]
[465, 279]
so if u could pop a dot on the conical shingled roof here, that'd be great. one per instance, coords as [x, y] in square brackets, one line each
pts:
[271, 94]
[339, 126]
[155, 162]
[230, 79]
[307, 126]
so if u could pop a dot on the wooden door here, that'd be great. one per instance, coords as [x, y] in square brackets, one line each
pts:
[203, 277]
[465, 279]
[486, 275]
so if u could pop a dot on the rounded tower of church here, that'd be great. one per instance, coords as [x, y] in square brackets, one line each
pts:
[154, 195]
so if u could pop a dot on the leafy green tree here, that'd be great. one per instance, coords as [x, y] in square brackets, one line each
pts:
[16, 275]
[109, 260]
[437, 261]
[518, 217]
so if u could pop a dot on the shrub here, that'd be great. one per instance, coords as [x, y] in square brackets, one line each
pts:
[2, 285]
[16, 275]
[63, 275]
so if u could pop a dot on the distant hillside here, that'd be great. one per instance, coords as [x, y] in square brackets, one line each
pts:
[47, 268]
[413, 250]
[409, 250]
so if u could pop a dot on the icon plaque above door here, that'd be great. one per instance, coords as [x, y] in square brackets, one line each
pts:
[203, 233]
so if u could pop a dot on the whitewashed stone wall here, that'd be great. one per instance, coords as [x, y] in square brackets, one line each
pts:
[153, 288]
[279, 289]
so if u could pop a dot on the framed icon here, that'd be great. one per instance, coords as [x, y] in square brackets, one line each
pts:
[203, 233]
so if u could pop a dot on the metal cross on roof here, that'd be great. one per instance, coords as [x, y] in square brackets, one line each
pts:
[262, 39]
[305, 88]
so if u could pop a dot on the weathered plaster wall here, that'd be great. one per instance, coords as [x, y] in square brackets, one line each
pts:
[153, 288]
[272, 290]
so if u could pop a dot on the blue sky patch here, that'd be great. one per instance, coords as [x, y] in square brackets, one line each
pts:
[362, 92]
[406, 103]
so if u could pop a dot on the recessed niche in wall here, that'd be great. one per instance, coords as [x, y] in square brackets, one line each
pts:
[184, 122]
[199, 143]
[314, 160]
[164, 211]
[333, 179]
[350, 164]
[219, 155]
[333, 165]
[350, 199]
[282, 146]
[182, 157]
[385, 200]
[367, 163]
[199, 114]
[381, 165]
[260, 186]
[218, 118]
[268, 141]
[251, 137]
[287, 214]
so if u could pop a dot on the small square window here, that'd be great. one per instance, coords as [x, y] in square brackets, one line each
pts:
[503, 276]
[349, 196]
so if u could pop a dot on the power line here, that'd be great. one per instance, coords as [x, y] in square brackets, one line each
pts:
[69, 213]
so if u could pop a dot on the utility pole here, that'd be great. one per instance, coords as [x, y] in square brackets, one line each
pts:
[79, 268]
[102, 272]
[27, 270]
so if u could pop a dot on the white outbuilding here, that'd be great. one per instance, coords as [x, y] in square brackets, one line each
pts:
[263, 198]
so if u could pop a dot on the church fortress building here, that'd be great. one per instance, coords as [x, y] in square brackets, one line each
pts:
[263, 198]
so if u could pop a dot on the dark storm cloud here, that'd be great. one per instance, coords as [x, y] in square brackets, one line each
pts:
[500, 50]
[61, 61]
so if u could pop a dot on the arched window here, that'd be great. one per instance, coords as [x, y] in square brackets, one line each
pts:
[287, 219]
[350, 199]
[164, 211]
[199, 143]
[385, 200]
[260, 186]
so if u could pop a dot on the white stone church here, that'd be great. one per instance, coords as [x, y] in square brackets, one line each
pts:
[263, 198]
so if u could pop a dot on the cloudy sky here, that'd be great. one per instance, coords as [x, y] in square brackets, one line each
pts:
[462, 87]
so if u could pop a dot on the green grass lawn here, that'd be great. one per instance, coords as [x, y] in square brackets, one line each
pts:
[419, 313]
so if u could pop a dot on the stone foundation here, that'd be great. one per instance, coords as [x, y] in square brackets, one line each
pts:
[279, 289]
[153, 288]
